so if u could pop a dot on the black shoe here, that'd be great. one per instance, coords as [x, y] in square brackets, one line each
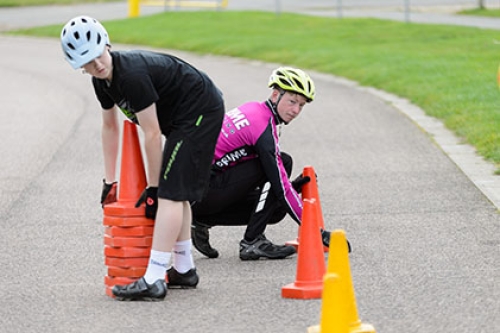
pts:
[188, 280]
[325, 237]
[141, 291]
[200, 238]
[261, 247]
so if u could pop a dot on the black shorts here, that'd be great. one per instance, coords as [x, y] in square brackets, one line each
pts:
[234, 194]
[187, 157]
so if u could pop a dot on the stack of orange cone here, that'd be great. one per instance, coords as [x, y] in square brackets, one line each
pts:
[339, 313]
[128, 233]
[310, 258]
[310, 191]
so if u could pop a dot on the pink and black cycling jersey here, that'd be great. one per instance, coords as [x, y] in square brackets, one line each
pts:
[251, 131]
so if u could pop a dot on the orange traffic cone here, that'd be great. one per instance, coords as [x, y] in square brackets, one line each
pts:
[310, 191]
[310, 258]
[128, 233]
[132, 175]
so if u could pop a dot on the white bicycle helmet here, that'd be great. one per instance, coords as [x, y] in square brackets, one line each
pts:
[294, 80]
[83, 39]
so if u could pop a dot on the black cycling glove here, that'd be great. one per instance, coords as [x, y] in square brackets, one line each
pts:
[300, 181]
[108, 194]
[150, 197]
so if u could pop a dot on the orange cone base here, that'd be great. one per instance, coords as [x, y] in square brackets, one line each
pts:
[126, 262]
[127, 221]
[128, 241]
[302, 291]
[137, 231]
[126, 252]
[110, 281]
[131, 272]
[123, 208]
[109, 292]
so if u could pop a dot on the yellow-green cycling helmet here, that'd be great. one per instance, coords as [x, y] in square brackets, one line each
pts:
[293, 80]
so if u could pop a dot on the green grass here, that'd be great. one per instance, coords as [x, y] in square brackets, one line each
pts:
[449, 71]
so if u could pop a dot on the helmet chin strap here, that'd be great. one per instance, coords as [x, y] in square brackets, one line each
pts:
[274, 108]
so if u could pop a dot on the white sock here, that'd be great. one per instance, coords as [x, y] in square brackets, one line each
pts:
[183, 258]
[157, 267]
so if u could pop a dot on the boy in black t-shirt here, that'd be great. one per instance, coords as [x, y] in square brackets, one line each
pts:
[168, 97]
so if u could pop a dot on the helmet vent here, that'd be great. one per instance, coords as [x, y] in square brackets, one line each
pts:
[89, 35]
[298, 83]
[70, 46]
[285, 82]
[76, 35]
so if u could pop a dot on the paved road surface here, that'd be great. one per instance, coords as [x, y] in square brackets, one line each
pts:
[425, 237]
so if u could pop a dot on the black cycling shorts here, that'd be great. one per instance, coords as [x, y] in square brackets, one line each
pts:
[187, 157]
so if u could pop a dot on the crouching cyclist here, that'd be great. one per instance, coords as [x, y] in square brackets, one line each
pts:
[250, 181]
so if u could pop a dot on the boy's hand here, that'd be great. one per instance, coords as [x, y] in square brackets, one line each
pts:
[108, 194]
[150, 197]
[300, 181]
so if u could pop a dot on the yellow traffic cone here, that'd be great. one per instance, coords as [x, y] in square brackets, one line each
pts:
[339, 303]
[334, 313]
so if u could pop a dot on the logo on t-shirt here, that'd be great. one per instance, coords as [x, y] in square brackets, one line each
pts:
[127, 110]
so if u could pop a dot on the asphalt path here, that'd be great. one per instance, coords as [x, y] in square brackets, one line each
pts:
[424, 231]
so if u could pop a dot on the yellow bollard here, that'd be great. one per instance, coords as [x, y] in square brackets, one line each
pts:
[133, 8]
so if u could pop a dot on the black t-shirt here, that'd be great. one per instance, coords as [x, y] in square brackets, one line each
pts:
[141, 78]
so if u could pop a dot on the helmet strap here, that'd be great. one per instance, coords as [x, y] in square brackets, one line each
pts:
[274, 107]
